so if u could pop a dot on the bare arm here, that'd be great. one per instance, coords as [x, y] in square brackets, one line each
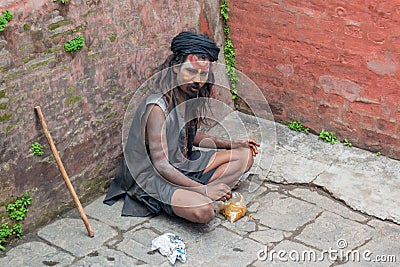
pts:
[157, 141]
[205, 140]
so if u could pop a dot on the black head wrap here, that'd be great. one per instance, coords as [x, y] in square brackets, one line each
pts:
[190, 43]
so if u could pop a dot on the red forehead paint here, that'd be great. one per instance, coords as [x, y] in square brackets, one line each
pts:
[198, 64]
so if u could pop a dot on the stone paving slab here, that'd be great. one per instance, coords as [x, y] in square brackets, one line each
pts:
[364, 181]
[71, 235]
[36, 254]
[111, 215]
[137, 244]
[381, 249]
[279, 212]
[329, 230]
[105, 257]
[297, 170]
[380, 194]
[327, 203]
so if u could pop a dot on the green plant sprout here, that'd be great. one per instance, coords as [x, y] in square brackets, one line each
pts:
[378, 154]
[75, 44]
[5, 18]
[37, 149]
[346, 142]
[62, 1]
[17, 212]
[328, 137]
[298, 127]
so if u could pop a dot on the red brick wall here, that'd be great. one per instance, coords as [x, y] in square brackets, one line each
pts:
[333, 65]
[82, 96]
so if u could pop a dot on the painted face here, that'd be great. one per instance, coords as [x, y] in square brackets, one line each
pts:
[193, 74]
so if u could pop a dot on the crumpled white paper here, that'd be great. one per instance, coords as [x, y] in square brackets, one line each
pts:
[170, 245]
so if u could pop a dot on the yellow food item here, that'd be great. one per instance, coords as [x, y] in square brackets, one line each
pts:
[233, 209]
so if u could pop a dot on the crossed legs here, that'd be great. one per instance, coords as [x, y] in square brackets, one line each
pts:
[229, 165]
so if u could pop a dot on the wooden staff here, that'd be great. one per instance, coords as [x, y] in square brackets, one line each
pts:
[63, 172]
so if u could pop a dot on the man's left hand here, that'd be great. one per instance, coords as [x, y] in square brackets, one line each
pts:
[251, 143]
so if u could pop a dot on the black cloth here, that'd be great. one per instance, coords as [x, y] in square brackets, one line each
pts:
[190, 43]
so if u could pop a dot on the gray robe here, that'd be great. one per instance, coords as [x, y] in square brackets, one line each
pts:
[137, 181]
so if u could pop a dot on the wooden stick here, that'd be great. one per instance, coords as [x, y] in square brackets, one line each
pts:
[63, 172]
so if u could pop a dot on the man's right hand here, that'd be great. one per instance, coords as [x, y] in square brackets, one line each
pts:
[219, 191]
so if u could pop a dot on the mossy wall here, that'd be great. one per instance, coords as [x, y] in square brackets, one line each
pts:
[82, 95]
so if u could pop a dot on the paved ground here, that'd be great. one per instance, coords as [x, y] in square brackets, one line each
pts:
[314, 204]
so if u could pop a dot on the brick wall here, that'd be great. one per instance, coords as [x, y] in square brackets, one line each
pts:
[83, 95]
[333, 65]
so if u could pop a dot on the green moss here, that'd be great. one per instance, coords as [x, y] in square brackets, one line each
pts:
[114, 125]
[73, 99]
[3, 106]
[98, 168]
[59, 24]
[40, 64]
[50, 159]
[80, 28]
[94, 55]
[92, 11]
[70, 90]
[61, 34]
[3, 93]
[25, 47]
[26, 27]
[9, 127]
[6, 117]
[113, 91]
[90, 184]
[63, 67]
[18, 97]
[111, 115]
[112, 37]
[27, 59]
[15, 74]
[106, 106]
[53, 49]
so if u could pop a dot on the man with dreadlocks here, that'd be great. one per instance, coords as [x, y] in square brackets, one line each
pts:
[161, 170]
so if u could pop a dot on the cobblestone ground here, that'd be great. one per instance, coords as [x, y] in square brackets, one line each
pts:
[304, 224]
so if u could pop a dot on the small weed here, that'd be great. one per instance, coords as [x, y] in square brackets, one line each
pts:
[298, 127]
[75, 44]
[328, 137]
[5, 18]
[37, 149]
[225, 9]
[62, 1]
[346, 142]
[378, 154]
[17, 212]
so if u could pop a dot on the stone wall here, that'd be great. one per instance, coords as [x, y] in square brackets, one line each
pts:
[332, 65]
[82, 95]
